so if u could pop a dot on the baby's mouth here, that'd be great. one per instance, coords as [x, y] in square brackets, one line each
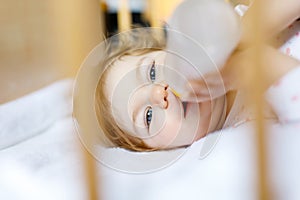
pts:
[184, 105]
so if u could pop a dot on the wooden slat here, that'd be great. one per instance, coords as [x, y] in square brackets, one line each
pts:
[257, 90]
[124, 16]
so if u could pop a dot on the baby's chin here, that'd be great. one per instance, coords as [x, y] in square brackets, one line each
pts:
[202, 131]
[218, 114]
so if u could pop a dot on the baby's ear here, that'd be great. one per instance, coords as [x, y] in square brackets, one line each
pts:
[212, 24]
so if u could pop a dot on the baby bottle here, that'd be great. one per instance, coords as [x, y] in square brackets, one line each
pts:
[201, 34]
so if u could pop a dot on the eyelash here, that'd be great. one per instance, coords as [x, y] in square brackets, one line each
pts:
[152, 74]
[148, 116]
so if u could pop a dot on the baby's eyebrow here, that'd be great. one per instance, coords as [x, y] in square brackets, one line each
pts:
[138, 72]
[134, 115]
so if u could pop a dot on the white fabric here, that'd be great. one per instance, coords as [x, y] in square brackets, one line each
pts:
[34, 113]
[284, 97]
[41, 159]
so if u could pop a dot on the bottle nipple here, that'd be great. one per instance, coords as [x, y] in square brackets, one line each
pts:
[175, 92]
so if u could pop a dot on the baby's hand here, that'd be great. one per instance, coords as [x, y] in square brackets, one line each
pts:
[232, 76]
[210, 87]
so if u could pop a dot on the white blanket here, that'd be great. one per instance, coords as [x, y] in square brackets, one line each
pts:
[48, 163]
[39, 157]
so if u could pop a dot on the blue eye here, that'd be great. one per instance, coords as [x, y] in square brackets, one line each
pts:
[152, 72]
[148, 116]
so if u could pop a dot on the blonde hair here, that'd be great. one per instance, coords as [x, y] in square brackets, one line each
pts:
[135, 42]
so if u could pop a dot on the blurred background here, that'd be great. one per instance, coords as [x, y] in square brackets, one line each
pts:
[45, 41]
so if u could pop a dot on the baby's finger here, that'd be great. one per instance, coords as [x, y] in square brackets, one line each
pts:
[192, 97]
[199, 91]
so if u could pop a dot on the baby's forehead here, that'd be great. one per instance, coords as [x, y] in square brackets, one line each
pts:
[127, 64]
[121, 67]
[122, 73]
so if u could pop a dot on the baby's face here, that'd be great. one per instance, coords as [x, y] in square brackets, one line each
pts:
[144, 104]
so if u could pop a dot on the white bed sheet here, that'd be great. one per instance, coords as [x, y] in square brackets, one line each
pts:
[48, 164]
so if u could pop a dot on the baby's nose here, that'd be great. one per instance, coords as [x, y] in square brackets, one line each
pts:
[159, 95]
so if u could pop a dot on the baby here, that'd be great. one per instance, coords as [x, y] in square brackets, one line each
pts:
[138, 110]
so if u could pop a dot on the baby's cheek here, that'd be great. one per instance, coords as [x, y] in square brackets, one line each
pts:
[165, 130]
[164, 138]
[160, 118]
